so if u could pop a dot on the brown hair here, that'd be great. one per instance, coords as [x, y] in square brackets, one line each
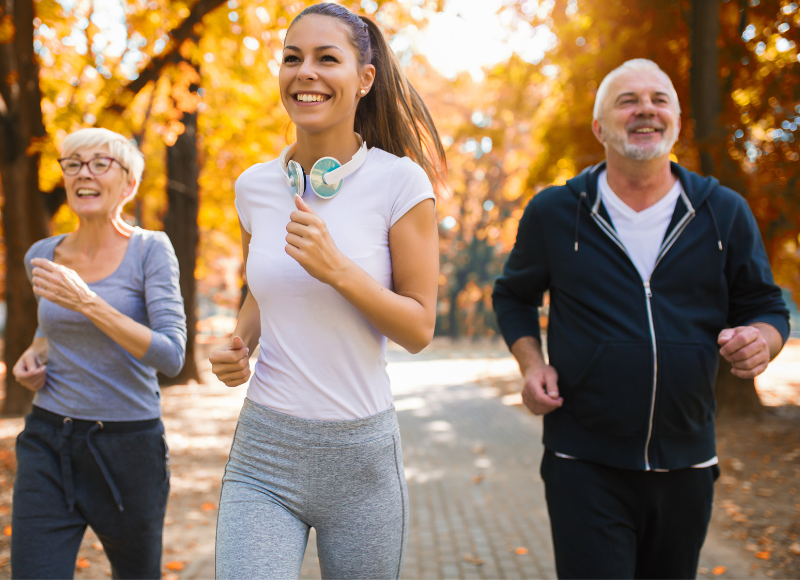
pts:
[392, 116]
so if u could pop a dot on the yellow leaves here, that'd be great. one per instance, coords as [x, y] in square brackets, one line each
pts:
[763, 555]
[208, 506]
[174, 565]
[521, 551]
[718, 570]
[82, 564]
[36, 146]
[741, 97]
[7, 531]
[7, 29]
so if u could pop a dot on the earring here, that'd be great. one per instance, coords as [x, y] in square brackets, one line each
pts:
[363, 92]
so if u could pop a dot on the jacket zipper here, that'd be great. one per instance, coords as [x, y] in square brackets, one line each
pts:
[670, 240]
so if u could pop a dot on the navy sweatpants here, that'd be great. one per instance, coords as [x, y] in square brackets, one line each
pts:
[618, 523]
[113, 477]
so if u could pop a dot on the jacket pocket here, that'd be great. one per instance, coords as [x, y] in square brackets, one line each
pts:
[686, 386]
[614, 392]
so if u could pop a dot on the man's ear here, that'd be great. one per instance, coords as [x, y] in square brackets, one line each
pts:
[597, 129]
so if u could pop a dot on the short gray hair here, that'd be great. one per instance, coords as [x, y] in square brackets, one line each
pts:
[122, 149]
[633, 65]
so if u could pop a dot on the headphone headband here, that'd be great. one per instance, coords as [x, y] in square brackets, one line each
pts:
[326, 176]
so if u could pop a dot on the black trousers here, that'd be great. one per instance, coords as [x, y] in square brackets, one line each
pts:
[113, 477]
[616, 523]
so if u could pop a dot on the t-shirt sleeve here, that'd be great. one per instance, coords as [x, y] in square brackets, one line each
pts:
[162, 294]
[411, 186]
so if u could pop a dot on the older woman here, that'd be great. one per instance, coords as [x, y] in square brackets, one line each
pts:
[110, 315]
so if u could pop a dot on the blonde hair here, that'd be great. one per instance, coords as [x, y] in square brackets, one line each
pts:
[123, 150]
[633, 65]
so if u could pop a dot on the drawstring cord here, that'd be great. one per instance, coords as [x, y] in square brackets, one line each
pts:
[101, 464]
[578, 218]
[66, 463]
[716, 229]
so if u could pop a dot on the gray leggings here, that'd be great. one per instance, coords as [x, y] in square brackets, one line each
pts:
[286, 474]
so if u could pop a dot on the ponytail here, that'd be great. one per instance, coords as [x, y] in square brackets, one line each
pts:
[392, 116]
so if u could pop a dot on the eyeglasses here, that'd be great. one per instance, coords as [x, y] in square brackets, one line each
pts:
[97, 166]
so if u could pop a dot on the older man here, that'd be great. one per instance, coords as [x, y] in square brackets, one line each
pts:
[651, 269]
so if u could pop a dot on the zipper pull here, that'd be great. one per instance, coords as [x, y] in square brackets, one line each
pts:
[647, 289]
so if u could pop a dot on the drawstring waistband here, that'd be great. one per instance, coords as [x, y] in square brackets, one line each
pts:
[70, 427]
[66, 463]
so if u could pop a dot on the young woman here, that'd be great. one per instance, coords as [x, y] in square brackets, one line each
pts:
[338, 258]
[110, 315]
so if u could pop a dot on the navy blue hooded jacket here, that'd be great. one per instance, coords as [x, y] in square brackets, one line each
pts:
[636, 360]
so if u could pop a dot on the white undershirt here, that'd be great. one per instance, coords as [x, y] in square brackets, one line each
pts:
[641, 233]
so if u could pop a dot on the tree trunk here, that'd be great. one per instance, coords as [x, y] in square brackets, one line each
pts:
[734, 396]
[180, 224]
[25, 217]
[704, 81]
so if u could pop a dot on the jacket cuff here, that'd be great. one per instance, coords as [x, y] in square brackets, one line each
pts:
[778, 321]
[520, 322]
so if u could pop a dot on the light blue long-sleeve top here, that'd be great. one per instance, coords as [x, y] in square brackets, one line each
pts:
[89, 376]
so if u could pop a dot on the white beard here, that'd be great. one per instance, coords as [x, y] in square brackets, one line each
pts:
[641, 152]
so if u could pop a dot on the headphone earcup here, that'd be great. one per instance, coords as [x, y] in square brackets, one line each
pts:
[297, 178]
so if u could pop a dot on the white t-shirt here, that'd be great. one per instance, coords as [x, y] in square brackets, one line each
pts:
[319, 357]
[641, 232]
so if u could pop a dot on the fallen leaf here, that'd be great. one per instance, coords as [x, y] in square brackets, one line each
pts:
[702, 571]
[750, 547]
[795, 548]
[521, 551]
[763, 555]
[174, 565]
[764, 492]
[98, 546]
[718, 570]
[736, 465]
[7, 530]
[769, 530]
[208, 506]
[82, 563]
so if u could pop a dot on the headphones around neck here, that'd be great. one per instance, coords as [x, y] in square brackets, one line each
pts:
[327, 175]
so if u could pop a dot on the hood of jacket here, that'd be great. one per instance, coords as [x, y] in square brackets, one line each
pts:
[697, 187]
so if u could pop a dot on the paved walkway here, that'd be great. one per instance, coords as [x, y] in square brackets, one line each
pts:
[471, 460]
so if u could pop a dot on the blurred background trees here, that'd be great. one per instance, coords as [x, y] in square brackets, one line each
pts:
[510, 83]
